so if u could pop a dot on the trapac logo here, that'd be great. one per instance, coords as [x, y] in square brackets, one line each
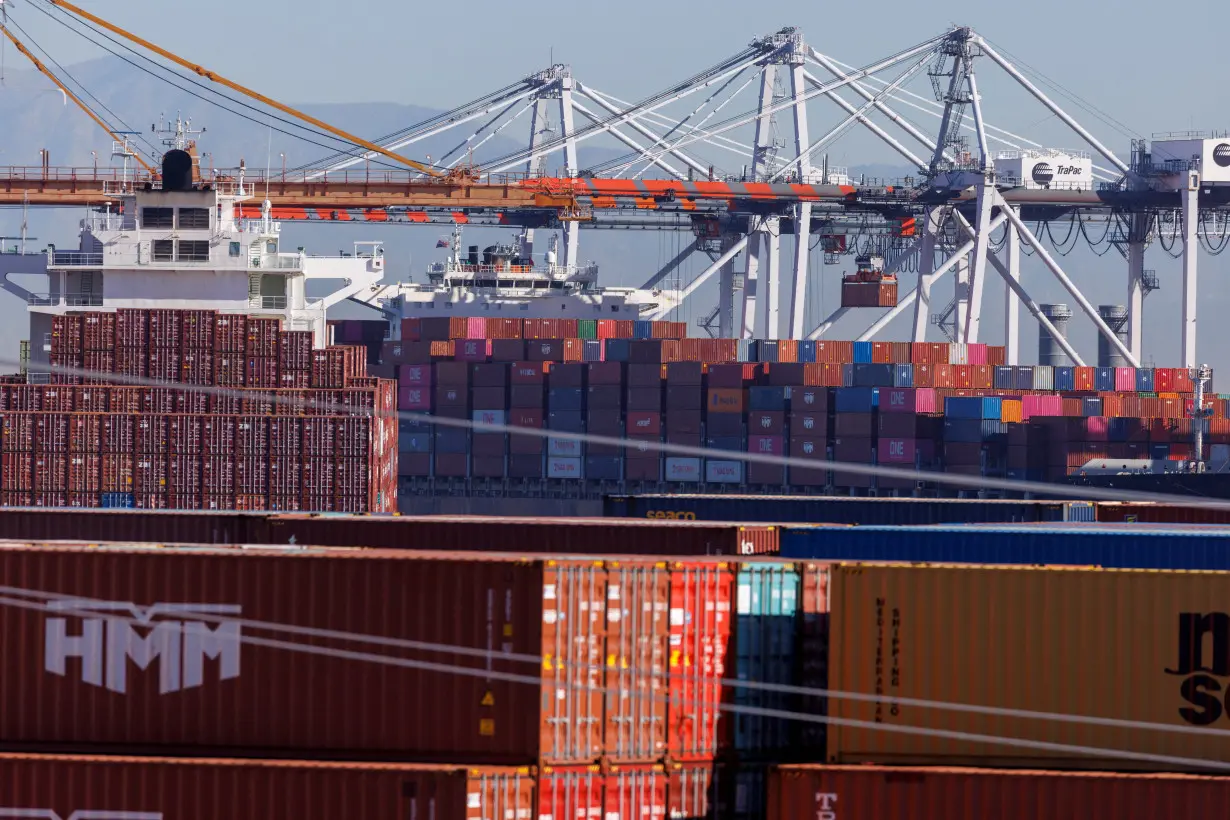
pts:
[1201, 686]
[826, 803]
[1043, 173]
[107, 643]
[80, 814]
[1221, 154]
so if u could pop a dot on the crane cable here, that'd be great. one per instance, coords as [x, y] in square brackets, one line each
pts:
[234, 86]
[68, 92]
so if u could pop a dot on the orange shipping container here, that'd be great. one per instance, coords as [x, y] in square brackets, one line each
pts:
[1010, 410]
[942, 375]
[835, 352]
[1127, 645]
[881, 353]
[788, 350]
[874, 793]
[725, 401]
[900, 352]
[48, 786]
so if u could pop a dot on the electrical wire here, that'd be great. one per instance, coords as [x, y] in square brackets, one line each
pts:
[74, 25]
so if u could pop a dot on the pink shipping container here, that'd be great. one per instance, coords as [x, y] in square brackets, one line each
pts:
[1037, 405]
[904, 450]
[976, 353]
[411, 397]
[1125, 380]
[1097, 428]
[902, 400]
[766, 445]
[472, 350]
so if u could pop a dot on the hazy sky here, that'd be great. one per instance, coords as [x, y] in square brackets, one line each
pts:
[1133, 64]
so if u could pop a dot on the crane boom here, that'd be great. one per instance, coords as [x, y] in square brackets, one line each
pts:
[68, 93]
[234, 86]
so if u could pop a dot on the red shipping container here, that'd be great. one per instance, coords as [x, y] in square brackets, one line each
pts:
[766, 445]
[502, 329]
[51, 432]
[196, 329]
[261, 336]
[164, 328]
[18, 433]
[295, 350]
[285, 436]
[1084, 380]
[261, 372]
[150, 473]
[151, 434]
[24, 397]
[99, 331]
[251, 436]
[131, 328]
[875, 792]
[66, 334]
[252, 475]
[218, 435]
[99, 362]
[183, 478]
[228, 369]
[319, 436]
[700, 632]
[184, 435]
[82, 500]
[16, 472]
[218, 474]
[117, 473]
[56, 399]
[118, 433]
[85, 433]
[132, 362]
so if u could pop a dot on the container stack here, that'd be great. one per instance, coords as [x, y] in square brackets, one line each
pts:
[297, 429]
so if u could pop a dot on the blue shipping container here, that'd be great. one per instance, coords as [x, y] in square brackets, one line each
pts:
[855, 399]
[452, 440]
[746, 351]
[1127, 547]
[1091, 406]
[729, 443]
[862, 352]
[418, 442]
[903, 375]
[873, 375]
[604, 468]
[617, 350]
[1104, 379]
[766, 606]
[766, 351]
[834, 510]
[1005, 377]
[973, 407]
[115, 501]
[1144, 380]
[847, 375]
[568, 421]
[642, 329]
[807, 352]
[768, 398]
[1023, 378]
[565, 398]
[1065, 379]
[592, 352]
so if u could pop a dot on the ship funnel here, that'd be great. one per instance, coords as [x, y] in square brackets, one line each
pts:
[177, 171]
[1115, 317]
[1049, 351]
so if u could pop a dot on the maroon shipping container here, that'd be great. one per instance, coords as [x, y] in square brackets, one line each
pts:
[98, 331]
[151, 434]
[98, 361]
[251, 436]
[876, 792]
[184, 435]
[766, 423]
[261, 372]
[17, 472]
[857, 425]
[56, 399]
[158, 400]
[295, 350]
[118, 433]
[117, 473]
[183, 478]
[85, 433]
[164, 328]
[507, 350]
[196, 789]
[91, 399]
[228, 369]
[150, 473]
[261, 336]
[196, 329]
[51, 432]
[131, 328]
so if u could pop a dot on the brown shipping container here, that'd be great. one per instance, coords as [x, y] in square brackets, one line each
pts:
[874, 793]
[1130, 645]
[194, 789]
[207, 678]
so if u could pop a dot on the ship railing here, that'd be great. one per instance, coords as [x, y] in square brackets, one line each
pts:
[281, 261]
[1017, 182]
[65, 300]
[74, 259]
[267, 302]
[111, 222]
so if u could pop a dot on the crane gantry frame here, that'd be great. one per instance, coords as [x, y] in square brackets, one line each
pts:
[955, 195]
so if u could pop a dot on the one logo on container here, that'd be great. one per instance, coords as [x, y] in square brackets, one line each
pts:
[1203, 663]
[111, 634]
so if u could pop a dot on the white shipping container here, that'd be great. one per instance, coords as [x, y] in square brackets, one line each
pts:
[1044, 377]
[564, 447]
[958, 354]
[565, 468]
[490, 417]
[682, 469]
[723, 472]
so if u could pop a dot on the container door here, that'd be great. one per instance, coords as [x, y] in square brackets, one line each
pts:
[700, 633]
[574, 623]
[637, 618]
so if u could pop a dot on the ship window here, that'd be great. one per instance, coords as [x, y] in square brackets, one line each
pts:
[157, 218]
[193, 218]
[164, 250]
[193, 250]
[236, 249]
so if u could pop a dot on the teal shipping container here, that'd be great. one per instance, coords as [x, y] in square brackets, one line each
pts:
[766, 608]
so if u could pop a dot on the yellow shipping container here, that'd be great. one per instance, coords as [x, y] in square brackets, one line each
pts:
[1151, 647]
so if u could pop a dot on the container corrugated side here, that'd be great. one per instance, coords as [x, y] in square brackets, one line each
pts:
[1163, 547]
[1114, 644]
[766, 628]
[192, 789]
[810, 509]
[199, 690]
[876, 793]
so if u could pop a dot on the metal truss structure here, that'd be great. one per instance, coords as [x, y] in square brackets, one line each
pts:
[729, 155]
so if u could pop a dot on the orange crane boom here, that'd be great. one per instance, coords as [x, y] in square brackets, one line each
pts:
[256, 95]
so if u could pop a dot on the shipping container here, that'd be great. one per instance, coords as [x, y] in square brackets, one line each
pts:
[1029, 639]
[194, 789]
[877, 793]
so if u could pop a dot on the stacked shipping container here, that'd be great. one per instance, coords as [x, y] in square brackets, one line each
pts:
[298, 429]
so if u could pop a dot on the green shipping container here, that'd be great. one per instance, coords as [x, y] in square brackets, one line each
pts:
[766, 607]
[587, 328]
